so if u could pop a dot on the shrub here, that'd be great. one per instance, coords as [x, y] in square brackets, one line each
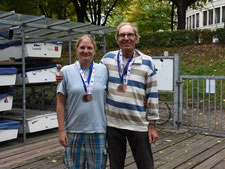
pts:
[220, 33]
[206, 36]
[174, 38]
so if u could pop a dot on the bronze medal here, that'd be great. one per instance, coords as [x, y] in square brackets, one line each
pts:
[87, 97]
[121, 88]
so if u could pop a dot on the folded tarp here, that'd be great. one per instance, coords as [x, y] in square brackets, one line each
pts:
[6, 124]
[17, 43]
[6, 91]
[37, 68]
[4, 96]
[40, 67]
[8, 71]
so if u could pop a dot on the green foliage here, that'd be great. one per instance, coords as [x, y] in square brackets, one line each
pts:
[149, 15]
[115, 20]
[174, 38]
[220, 33]
[20, 6]
[206, 36]
[50, 8]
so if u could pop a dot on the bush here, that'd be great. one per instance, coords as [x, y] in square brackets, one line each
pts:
[174, 38]
[220, 33]
[206, 36]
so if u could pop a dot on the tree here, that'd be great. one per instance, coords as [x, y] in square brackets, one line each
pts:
[50, 8]
[95, 11]
[182, 6]
[149, 15]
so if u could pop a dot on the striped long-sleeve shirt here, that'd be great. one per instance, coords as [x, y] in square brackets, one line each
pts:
[126, 110]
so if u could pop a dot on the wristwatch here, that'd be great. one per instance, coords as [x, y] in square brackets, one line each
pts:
[152, 124]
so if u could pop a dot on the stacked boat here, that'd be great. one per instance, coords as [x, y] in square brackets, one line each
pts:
[39, 70]
[8, 128]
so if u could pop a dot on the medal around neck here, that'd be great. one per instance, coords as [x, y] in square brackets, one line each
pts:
[121, 88]
[125, 69]
[87, 83]
[87, 98]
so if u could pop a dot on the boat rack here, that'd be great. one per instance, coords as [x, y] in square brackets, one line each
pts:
[23, 37]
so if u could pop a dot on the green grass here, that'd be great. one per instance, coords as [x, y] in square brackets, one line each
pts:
[205, 59]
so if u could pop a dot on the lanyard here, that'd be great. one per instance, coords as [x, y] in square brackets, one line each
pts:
[87, 83]
[127, 67]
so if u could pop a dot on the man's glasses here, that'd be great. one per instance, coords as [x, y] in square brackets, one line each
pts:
[129, 35]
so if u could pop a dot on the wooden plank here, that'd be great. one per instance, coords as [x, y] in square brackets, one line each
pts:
[202, 156]
[42, 160]
[168, 159]
[191, 153]
[168, 141]
[129, 156]
[131, 166]
[176, 146]
[23, 151]
[129, 160]
[163, 138]
[212, 161]
[162, 143]
[32, 138]
[200, 150]
[220, 165]
[51, 162]
[29, 155]
[26, 148]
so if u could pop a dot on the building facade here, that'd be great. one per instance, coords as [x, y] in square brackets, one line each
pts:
[210, 16]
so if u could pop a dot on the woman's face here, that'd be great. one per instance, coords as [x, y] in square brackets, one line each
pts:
[85, 52]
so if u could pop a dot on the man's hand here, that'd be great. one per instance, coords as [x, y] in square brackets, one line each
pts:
[152, 134]
[59, 77]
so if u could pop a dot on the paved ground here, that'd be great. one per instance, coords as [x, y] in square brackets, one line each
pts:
[179, 150]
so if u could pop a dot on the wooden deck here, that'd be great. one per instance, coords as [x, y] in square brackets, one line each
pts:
[178, 150]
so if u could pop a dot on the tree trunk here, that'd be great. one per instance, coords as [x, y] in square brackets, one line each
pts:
[172, 17]
[182, 6]
[181, 13]
[99, 12]
[80, 8]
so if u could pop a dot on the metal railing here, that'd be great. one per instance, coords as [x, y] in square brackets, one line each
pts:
[202, 103]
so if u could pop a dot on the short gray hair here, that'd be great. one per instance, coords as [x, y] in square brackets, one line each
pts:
[134, 26]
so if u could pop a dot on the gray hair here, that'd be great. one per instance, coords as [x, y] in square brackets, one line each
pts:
[134, 26]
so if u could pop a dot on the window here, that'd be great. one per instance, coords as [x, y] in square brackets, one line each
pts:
[193, 21]
[210, 17]
[197, 20]
[204, 18]
[189, 22]
[223, 14]
[217, 15]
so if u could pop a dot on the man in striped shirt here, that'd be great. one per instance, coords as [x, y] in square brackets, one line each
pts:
[132, 83]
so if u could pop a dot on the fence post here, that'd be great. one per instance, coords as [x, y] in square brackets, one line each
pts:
[176, 92]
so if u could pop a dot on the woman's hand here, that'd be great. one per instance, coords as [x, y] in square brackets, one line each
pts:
[63, 139]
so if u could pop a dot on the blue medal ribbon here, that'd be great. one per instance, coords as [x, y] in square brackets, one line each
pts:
[125, 69]
[89, 77]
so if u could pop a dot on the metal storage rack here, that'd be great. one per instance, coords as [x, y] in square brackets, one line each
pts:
[29, 28]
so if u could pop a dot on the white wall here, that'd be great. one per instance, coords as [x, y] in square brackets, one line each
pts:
[190, 13]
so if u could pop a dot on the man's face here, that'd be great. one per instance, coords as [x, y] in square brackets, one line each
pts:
[127, 38]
